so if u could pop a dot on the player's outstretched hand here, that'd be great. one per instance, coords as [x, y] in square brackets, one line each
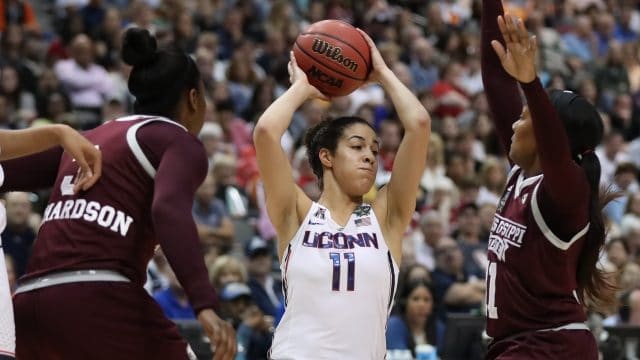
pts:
[518, 58]
[87, 156]
[378, 66]
[297, 75]
[220, 334]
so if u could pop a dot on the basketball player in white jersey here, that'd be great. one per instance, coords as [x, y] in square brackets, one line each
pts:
[20, 143]
[339, 256]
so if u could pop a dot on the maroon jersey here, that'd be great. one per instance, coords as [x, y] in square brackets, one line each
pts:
[531, 278]
[151, 168]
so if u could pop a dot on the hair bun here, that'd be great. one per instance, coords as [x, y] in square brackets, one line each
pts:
[138, 47]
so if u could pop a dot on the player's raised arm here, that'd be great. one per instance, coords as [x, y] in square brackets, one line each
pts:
[398, 197]
[565, 184]
[286, 203]
[500, 88]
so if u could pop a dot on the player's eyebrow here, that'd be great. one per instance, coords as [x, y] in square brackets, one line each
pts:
[358, 137]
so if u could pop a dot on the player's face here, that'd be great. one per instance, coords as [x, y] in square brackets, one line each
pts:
[523, 142]
[355, 162]
[419, 305]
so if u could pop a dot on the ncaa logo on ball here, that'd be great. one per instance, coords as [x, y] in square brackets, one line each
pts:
[314, 72]
[334, 53]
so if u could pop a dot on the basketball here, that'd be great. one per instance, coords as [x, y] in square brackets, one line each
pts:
[334, 55]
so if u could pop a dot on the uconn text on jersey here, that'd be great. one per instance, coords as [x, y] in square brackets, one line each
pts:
[339, 240]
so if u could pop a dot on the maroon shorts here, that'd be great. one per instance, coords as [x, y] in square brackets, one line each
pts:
[547, 345]
[94, 320]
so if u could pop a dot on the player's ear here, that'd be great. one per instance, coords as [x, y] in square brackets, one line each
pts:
[325, 157]
[193, 99]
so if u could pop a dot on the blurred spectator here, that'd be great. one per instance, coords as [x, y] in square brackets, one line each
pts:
[210, 214]
[413, 272]
[391, 134]
[227, 269]
[265, 93]
[627, 271]
[93, 14]
[413, 322]
[184, 32]
[173, 300]
[432, 228]
[107, 38]
[452, 100]
[18, 12]
[213, 141]
[625, 181]
[57, 109]
[611, 154]
[493, 177]
[235, 199]
[235, 298]
[19, 234]
[632, 210]
[581, 43]
[469, 238]
[234, 128]
[265, 287]
[611, 77]
[552, 59]
[254, 334]
[206, 62]
[88, 84]
[423, 64]
[454, 289]
[19, 102]
[624, 117]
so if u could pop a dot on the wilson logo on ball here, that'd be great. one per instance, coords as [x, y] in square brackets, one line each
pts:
[314, 72]
[334, 53]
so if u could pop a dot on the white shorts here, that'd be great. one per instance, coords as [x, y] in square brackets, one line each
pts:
[7, 326]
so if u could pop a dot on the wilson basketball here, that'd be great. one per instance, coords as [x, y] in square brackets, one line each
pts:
[334, 55]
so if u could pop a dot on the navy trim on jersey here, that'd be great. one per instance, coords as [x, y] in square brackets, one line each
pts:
[284, 278]
[393, 280]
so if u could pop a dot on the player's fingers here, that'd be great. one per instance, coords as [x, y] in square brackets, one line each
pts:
[534, 43]
[218, 341]
[96, 170]
[232, 342]
[512, 30]
[224, 348]
[502, 26]
[84, 174]
[367, 38]
[499, 49]
[523, 34]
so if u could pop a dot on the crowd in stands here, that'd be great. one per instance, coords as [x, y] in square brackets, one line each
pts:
[60, 63]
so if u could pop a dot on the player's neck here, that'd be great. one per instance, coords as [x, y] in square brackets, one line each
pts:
[340, 204]
[532, 169]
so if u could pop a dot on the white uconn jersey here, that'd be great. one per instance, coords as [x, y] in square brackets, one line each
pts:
[7, 327]
[339, 285]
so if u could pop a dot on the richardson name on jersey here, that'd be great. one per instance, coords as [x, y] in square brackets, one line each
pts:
[339, 240]
[103, 215]
[504, 233]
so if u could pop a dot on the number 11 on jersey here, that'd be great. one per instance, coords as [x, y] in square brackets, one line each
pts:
[351, 270]
[492, 309]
